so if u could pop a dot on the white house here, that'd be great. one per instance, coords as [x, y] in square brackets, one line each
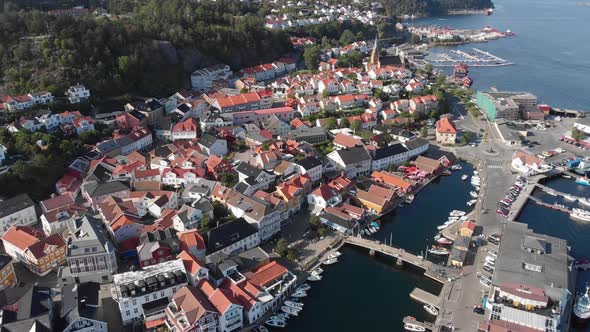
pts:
[135, 289]
[17, 211]
[310, 166]
[322, 197]
[77, 93]
[354, 161]
[228, 307]
[212, 145]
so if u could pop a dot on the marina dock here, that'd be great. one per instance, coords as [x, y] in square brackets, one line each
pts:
[556, 192]
[424, 297]
[475, 58]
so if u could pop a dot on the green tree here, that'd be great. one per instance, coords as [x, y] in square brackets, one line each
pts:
[424, 132]
[344, 123]
[311, 55]
[331, 123]
[205, 222]
[347, 37]
[577, 134]
[282, 247]
[355, 125]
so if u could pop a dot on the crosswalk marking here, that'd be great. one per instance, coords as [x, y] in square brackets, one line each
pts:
[495, 166]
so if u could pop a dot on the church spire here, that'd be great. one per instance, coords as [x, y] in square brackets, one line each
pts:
[374, 59]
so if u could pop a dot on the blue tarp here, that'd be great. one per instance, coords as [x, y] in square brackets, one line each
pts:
[374, 224]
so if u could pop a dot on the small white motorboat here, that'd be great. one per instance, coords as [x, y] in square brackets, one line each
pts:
[441, 227]
[457, 213]
[362, 232]
[335, 254]
[584, 201]
[290, 311]
[303, 288]
[464, 177]
[315, 277]
[299, 294]
[368, 231]
[295, 305]
[431, 309]
[439, 251]
[453, 218]
[409, 199]
[282, 315]
[262, 329]
[471, 202]
[330, 261]
[456, 167]
[317, 271]
[463, 218]
[570, 198]
[475, 172]
[372, 229]
[473, 194]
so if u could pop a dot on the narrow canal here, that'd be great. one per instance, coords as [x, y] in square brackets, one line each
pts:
[364, 293]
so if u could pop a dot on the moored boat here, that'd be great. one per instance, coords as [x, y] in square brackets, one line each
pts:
[580, 214]
[570, 198]
[409, 199]
[312, 278]
[473, 194]
[276, 323]
[262, 329]
[435, 250]
[583, 181]
[299, 294]
[443, 240]
[456, 167]
[584, 201]
[335, 254]
[446, 172]
[290, 311]
[279, 317]
[303, 288]
[295, 305]
[464, 177]
[471, 202]
[457, 213]
[317, 271]
[441, 227]
[411, 324]
[330, 261]
[582, 305]
[431, 309]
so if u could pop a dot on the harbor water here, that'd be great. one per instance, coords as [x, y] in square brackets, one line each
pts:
[550, 58]
[364, 293]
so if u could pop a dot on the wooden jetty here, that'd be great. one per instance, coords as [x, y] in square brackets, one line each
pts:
[413, 320]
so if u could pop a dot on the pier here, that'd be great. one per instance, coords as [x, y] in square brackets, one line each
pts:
[538, 201]
[477, 58]
[556, 192]
[400, 254]
[412, 320]
[424, 297]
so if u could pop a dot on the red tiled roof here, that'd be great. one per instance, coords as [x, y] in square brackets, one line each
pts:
[191, 238]
[324, 191]
[267, 274]
[346, 140]
[57, 202]
[191, 263]
[446, 125]
[22, 236]
[187, 125]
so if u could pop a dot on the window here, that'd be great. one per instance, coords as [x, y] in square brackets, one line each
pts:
[135, 310]
[127, 313]
[154, 296]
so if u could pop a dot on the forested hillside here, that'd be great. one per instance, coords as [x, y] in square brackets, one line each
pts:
[148, 52]
[432, 7]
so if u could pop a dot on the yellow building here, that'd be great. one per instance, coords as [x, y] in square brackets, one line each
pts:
[7, 274]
